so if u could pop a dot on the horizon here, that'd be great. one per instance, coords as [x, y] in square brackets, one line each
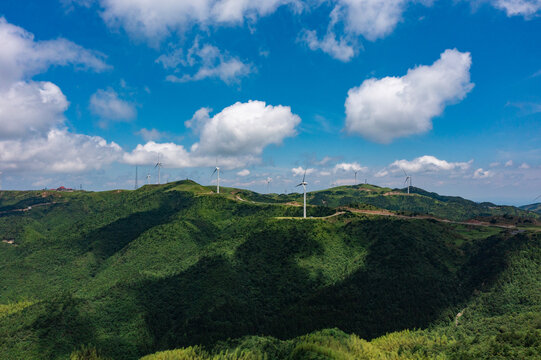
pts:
[449, 92]
[295, 191]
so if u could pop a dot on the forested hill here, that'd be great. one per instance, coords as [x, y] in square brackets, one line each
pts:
[532, 207]
[239, 275]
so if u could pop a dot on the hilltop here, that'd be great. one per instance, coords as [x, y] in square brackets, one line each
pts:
[532, 207]
[129, 273]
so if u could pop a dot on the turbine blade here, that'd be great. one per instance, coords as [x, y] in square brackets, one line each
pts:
[304, 176]
[405, 173]
[214, 172]
[299, 185]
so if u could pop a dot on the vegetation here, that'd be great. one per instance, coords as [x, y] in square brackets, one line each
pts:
[124, 274]
[532, 207]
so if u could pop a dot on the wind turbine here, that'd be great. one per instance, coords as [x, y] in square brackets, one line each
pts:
[136, 178]
[406, 181]
[268, 182]
[159, 166]
[356, 171]
[304, 183]
[217, 170]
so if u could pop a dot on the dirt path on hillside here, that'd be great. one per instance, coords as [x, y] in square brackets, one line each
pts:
[26, 208]
[428, 217]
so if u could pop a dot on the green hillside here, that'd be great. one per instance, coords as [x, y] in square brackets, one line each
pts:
[532, 207]
[124, 274]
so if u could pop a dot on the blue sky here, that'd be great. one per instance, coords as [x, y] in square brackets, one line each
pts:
[449, 91]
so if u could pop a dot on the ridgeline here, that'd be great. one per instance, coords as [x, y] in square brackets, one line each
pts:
[176, 271]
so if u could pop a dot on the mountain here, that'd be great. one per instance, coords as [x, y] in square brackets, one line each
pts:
[532, 207]
[124, 274]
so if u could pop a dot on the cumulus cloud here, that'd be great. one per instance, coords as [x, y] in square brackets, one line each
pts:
[349, 167]
[482, 174]
[209, 61]
[33, 136]
[428, 163]
[107, 105]
[152, 134]
[526, 8]
[30, 108]
[58, 152]
[392, 107]
[340, 49]
[244, 172]
[373, 19]
[299, 171]
[234, 137]
[243, 128]
[22, 57]
[155, 19]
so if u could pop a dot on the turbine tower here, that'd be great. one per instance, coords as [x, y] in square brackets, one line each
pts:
[136, 177]
[217, 170]
[159, 166]
[268, 182]
[304, 183]
[408, 178]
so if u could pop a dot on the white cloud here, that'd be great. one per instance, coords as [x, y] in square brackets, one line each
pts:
[482, 174]
[154, 20]
[22, 57]
[209, 61]
[298, 171]
[381, 173]
[526, 8]
[243, 128]
[152, 134]
[235, 137]
[428, 163]
[509, 163]
[30, 108]
[244, 172]
[524, 166]
[349, 167]
[58, 152]
[373, 19]
[339, 49]
[393, 107]
[33, 137]
[107, 105]
[325, 173]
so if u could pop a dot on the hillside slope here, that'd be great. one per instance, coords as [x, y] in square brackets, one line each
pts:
[536, 208]
[129, 273]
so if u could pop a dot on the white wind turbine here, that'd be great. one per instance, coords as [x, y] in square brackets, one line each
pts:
[268, 183]
[159, 166]
[355, 171]
[304, 183]
[408, 178]
[217, 170]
